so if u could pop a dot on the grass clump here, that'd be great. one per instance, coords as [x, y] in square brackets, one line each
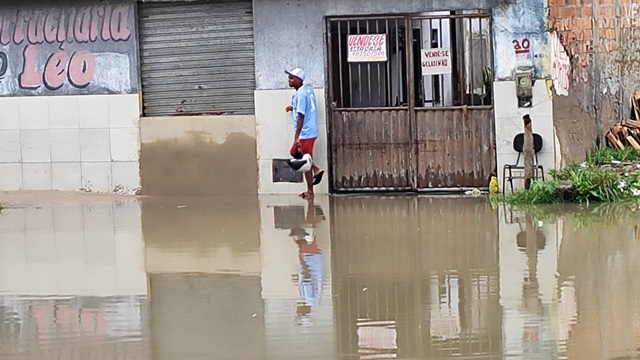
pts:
[607, 155]
[540, 192]
[607, 176]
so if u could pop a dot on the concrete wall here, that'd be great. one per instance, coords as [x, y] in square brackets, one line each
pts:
[200, 155]
[509, 123]
[69, 97]
[520, 43]
[289, 34]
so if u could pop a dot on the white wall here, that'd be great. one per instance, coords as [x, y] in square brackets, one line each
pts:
[274, 136]
[508, 121]
[86, 142]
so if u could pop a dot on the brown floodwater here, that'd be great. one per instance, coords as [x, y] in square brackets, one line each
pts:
[344, 277]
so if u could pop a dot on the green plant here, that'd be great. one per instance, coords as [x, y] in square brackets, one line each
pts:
[487, 80]
[607, 155]
[607, 175]
[540, 192]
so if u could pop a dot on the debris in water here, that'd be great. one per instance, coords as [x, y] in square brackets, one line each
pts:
[254, 315]
[365, 288]
[474, 192]
[182, 206]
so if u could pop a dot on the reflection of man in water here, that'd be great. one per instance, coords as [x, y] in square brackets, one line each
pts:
[310, 267]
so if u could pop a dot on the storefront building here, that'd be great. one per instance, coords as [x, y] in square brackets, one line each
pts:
[188, 98]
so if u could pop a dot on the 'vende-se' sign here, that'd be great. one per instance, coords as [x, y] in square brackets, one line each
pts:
[367, 48]
[436, 61]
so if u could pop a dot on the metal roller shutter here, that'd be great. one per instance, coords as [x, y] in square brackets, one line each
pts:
[197, 57]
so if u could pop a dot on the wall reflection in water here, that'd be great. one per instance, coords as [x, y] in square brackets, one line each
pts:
[353, 277]
[416, 278]
[72, 282]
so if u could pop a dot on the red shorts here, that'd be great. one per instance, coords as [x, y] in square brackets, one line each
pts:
[306, 147]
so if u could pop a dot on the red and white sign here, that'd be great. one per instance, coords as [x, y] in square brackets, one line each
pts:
[435, 61]
[367, 48]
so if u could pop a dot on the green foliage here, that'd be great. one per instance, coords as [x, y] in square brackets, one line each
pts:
[540, 192]
[593, 180]
[607, 155]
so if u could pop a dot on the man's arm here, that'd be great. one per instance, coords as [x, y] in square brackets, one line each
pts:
[299, 127]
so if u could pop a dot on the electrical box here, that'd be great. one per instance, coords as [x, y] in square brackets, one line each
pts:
[524, 87]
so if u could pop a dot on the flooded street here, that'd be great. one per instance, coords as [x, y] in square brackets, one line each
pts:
[345, 277]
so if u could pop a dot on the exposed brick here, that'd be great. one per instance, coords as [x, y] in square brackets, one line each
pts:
[584, 23]
[609, 34]
[586, 11]
[607, 11]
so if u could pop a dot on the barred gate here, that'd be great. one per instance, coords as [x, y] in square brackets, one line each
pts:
[418, 114]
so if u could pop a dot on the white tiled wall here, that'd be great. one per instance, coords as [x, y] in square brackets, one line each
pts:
[274, 134]
[88, 142]
[508, 121]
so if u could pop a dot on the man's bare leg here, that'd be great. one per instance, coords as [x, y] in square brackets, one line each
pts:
[309, 178]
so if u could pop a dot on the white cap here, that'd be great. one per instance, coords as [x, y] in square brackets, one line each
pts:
[297, 72]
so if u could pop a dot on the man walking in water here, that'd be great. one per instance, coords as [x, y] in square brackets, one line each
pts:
[305, 124]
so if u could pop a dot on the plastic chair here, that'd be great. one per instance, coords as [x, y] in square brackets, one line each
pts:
[518, 144]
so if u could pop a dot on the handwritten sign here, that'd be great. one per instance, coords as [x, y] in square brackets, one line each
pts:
[367, 48]
[435, 61]
[560, 66]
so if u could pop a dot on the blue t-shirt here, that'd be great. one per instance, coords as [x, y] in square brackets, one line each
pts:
[304, 102]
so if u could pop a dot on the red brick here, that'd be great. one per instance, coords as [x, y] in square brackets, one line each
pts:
[587, 11]
[584, 23]
[607, 11]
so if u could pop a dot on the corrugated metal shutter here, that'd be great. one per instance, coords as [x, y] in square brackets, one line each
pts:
[197, 57]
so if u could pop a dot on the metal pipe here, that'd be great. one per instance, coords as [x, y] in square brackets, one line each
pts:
[388, 77]
[350, 67]
[340, 63]
[380, 88]
[471, 63]
[369, 74]
[359, 65]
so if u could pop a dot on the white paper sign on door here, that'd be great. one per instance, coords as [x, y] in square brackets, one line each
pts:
[367, 48]
[435, 61]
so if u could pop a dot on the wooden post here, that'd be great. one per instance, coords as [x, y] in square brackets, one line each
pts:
[528, 152]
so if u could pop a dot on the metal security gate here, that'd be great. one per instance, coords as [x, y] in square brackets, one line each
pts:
[411, 103]
[197, 57]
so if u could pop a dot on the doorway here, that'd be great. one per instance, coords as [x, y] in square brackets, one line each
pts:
[411, 102]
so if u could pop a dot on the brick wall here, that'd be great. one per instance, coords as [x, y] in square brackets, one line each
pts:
[601, 38]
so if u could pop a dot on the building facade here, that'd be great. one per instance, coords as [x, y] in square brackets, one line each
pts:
[188, 98]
